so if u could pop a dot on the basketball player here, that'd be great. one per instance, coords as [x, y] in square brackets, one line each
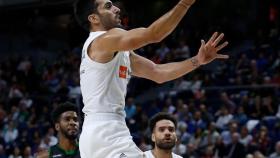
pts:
[108, 61]
[67, 125]
[163, 127]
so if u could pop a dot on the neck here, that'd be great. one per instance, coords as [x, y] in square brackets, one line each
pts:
[67, 144]
[97, 28]
[160, 153]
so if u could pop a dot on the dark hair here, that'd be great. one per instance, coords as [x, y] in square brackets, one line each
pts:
[61, 108]
[82, 9]
[161, 116]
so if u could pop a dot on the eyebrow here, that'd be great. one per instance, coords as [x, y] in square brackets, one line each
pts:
[108, 2]
[166, 127]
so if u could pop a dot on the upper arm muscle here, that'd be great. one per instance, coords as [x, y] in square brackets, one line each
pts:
[122, 40]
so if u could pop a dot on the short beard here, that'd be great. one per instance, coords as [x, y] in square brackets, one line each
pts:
[165, 146]
[69, 136]
[109, 27]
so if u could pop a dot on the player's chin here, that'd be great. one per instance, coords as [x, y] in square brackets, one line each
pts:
[72, 132]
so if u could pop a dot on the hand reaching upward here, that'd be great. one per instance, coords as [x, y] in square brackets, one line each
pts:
[209, 51]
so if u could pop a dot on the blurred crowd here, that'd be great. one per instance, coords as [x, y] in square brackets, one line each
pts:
[212, 122]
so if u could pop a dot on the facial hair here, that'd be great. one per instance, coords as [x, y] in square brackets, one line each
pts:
[108, 23]
[165, 145]
[71, 136]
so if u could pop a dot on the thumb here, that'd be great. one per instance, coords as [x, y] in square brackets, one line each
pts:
[202, 43]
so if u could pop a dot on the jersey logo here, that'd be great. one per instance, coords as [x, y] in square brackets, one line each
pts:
[58, 155]
[123, 155]
[122, 71]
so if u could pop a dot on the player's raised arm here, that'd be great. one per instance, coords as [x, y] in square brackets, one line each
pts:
[118, 39]
[160, 73]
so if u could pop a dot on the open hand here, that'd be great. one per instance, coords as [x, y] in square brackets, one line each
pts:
[208, 51]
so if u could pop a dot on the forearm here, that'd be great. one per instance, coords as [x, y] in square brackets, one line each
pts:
[171, 71]
[167, 23]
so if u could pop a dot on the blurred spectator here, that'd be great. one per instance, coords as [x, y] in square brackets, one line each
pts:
[224, 117]
[261, 141]
[227, 134]
[191, 151]
[2, 152]
[180, 148]
[197, 121]
[183, 51]
[240, 117]
[210, 136]
[27, 153]
[16, 153]
[235, 148]
[182, 132]
[130, 108]
[10, 133]
[205, 114]
[276, 154]
[245, 137]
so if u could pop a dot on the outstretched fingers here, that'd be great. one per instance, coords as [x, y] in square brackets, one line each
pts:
[218, 39]
[214, 36]
[222, 56]
[222, 46]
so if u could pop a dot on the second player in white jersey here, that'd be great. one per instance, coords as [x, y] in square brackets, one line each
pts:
[163, 134]
[149, 154]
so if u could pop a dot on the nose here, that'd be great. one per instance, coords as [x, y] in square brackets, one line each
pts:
[167, 133]
[116, 9]
[72, 122]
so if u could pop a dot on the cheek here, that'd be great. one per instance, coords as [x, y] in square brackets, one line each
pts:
[160, 136]
[175, 137]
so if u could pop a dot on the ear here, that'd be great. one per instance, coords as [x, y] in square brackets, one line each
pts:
[57, 127]
[153, 137]
[93, 18]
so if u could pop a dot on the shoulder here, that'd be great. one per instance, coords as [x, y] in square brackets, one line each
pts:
[113, 32]
[42, 154]
[149, 154]
[116, 30]
[102, 37]
[176, 156]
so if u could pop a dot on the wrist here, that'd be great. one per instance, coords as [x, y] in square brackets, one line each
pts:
[195, 61]
[185, 4]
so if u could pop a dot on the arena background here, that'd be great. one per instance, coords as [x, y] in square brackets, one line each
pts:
[40, 45]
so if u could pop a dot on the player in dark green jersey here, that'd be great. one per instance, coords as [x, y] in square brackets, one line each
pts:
[65, 118]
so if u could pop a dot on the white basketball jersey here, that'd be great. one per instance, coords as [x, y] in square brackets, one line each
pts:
[104, 85]
[149, 154]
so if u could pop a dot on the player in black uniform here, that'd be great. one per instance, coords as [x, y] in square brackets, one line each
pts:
[65, 118]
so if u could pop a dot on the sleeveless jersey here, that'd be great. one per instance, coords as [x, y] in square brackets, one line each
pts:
[104, 85]
[149, 154]
[56, 152]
